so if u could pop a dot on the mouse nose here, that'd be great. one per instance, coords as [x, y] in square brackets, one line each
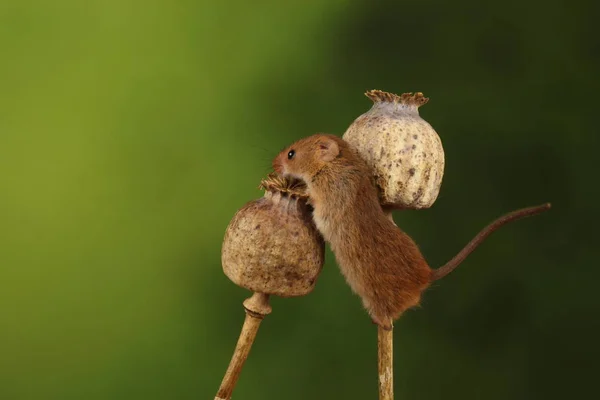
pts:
[278, 165]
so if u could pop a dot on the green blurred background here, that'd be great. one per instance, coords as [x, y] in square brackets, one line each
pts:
[131, 131]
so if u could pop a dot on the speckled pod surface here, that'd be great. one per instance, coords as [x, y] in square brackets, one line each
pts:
[403, 150]
[271, 245]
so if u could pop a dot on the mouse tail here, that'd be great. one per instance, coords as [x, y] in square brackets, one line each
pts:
[483, 234]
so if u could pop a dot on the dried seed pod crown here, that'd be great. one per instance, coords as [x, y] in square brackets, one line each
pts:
[403, 150]
[271, 245]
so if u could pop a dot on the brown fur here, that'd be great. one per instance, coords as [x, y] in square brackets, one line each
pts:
[381, 263]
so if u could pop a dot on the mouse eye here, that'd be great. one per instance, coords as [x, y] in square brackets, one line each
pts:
[291, 154]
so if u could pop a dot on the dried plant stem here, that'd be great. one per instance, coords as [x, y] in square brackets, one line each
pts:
[385, 352]
[257, 307]
[385, 362]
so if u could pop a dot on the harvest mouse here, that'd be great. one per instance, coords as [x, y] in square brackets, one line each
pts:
[380, 262]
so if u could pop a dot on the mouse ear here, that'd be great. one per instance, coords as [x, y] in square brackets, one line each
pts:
[328, 149]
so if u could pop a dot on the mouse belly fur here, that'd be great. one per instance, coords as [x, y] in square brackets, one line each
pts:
[381, 264]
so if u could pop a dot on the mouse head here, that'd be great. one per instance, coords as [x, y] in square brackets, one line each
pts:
[305, 158]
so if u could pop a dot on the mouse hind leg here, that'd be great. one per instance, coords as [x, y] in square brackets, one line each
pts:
[378, 316]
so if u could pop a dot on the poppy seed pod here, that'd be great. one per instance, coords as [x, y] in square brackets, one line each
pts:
[402, 149]
[271, 245]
